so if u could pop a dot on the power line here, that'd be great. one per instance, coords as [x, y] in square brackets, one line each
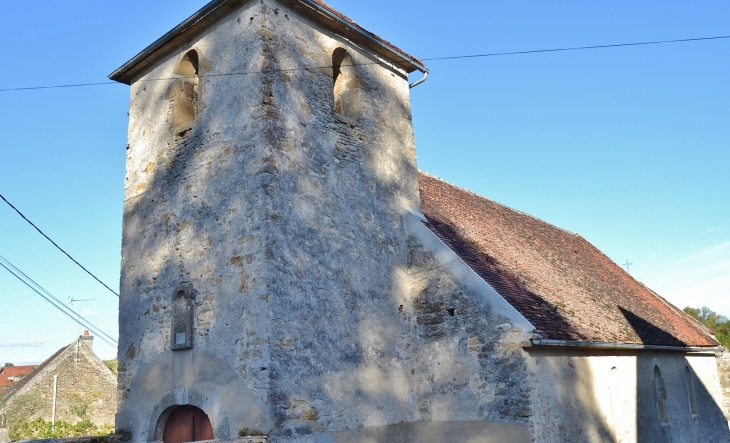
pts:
[579, 48]
[57, 301]
[455, 57]
[58, 247]
[38, 289]
[77, 85]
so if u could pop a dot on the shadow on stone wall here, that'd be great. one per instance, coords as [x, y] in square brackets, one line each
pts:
[565, 401]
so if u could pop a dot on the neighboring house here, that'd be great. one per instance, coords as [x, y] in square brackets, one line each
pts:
[5, 383]
[83, 387]
[286, 269]
[15, 373]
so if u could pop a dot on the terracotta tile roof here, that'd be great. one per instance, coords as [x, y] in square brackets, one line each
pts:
[556, 279]
[16, 371]
[5, 382]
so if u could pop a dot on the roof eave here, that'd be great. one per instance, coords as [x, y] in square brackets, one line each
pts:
[217, 8]
[623, 346]
[126, 73]
[412, 64]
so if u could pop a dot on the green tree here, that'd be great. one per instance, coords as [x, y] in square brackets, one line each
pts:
[719, 325]
[7, 365]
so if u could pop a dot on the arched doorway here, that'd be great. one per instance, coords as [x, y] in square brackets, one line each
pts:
[187, 423]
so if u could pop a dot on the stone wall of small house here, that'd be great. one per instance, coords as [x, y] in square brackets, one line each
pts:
[84, 382]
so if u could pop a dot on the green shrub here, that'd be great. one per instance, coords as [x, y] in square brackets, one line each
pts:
[40, 429]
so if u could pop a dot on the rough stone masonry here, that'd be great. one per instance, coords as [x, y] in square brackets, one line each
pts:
[317, 316]
[280, 278]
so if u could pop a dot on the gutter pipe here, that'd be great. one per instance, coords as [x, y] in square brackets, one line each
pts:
[418, 82]
[623, 346]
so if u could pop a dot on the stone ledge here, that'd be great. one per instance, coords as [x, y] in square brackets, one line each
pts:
[113, 438]
[122, 438]
[237, 440]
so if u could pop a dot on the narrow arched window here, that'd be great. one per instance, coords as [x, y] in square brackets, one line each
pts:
[690, 392]
[184, 92]
[183, 304]
[661, 395]
[347, 96]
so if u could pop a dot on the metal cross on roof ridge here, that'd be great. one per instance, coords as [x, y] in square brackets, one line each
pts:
[627, 264]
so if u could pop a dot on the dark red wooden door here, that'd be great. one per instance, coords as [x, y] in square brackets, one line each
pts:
[187, 423]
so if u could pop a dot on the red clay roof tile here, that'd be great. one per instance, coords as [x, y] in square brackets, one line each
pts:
[557, 280]
[16, 371]
[5, 382]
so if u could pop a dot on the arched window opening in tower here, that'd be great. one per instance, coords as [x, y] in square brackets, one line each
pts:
[347, 100]
[185, 92]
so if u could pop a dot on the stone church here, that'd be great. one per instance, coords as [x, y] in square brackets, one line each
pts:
[287, 270]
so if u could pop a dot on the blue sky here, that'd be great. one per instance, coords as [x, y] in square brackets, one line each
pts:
[629, 147]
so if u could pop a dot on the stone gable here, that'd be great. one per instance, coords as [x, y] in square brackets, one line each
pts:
[86, 388]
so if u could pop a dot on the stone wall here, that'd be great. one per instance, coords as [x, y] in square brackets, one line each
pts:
[86, 388]
[466, 363]
[125, 438]
[589, 395]
[287, 219]
[318, 316]
[723, 369]
[114, 438]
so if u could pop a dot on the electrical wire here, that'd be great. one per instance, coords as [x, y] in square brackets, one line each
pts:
[58, 304]
[58, 247]
[77, 85]
[579, 48]
[56, 300]
[455, 57]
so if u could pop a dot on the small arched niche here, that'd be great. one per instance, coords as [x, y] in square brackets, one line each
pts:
[347, 93]
[183, 305]
[184, 92]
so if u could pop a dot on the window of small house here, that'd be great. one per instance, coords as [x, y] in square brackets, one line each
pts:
[661, 396]
[184, 92]
[183, 304]
[346, 89]
[690, 392]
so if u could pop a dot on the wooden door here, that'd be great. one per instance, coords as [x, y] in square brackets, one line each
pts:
[187, 423]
